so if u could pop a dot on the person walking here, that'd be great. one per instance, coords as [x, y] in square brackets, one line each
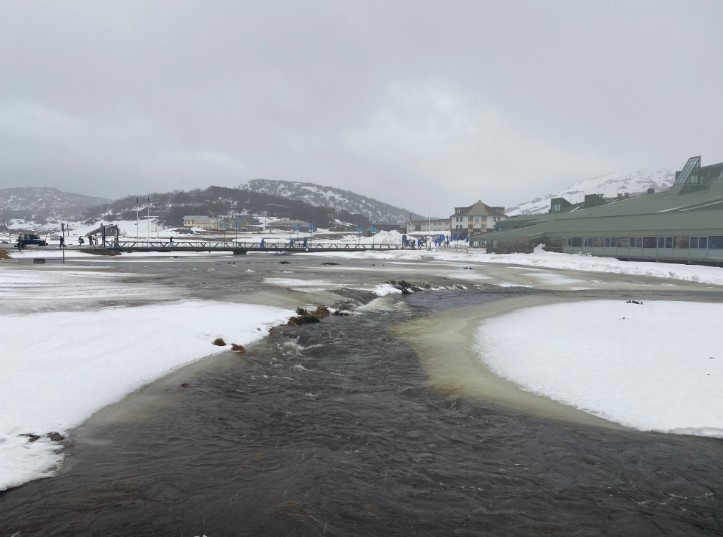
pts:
[62, 242]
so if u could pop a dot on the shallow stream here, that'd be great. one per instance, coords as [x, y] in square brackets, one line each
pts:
[354, 426]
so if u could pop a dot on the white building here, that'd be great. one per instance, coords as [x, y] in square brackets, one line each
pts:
[436, 225]
[204, 222]
[475, 219]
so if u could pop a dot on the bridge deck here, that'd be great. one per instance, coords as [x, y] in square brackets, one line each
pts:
[236, 247]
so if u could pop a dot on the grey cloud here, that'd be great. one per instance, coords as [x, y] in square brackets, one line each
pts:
[422, 104]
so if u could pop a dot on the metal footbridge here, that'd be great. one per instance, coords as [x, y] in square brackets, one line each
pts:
[237, 248]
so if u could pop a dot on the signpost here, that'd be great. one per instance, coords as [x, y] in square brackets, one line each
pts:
[311, 229]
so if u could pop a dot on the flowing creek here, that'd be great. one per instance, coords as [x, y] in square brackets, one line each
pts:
[382, 422]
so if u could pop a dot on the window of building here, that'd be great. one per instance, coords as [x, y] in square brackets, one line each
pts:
[636, 242]
[576, 241]
[681, 242]
[621, 242]
[715, 242]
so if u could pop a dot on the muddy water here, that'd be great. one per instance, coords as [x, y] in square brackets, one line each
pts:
[379, 423]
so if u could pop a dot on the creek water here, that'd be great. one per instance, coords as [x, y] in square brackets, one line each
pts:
[344, 428]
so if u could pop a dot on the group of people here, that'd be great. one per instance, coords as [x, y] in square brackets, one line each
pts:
[292, 243]
[438, 241]
[91, 240]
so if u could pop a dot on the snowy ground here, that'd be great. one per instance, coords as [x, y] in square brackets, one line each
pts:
[654, 366]
[58, 367]
[542, 259]
[665, 378]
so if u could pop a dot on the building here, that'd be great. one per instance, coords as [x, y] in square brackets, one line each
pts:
[430, 225]
[221, 223]
[476, 219]
[682, 224]
[200, 221]
[288, 224]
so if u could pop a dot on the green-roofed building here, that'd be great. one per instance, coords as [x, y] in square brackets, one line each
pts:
[683, 224]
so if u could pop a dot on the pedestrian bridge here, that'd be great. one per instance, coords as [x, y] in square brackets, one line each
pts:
[237, 248]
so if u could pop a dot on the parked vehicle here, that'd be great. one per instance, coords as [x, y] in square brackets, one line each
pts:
[27, 239]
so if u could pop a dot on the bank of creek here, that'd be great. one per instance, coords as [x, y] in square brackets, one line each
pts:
[382, 422]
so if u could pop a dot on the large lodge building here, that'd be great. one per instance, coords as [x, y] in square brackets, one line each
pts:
[682, 224]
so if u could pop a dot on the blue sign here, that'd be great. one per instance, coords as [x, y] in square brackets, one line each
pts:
[236, 224]
[374, 230]
[311, 227]
[359, 229]
[298, 227]
[223, 226]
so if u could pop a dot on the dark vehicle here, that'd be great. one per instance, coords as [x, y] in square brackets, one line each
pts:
[27, 239]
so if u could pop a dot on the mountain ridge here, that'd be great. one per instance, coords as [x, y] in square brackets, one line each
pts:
[332, 197]
[43, 203]
[609, 185]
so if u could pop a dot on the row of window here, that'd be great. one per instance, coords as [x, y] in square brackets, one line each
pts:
[681, 242]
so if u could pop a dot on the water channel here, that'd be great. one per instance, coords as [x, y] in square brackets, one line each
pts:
[381, 422]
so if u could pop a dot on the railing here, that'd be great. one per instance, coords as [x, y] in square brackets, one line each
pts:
[240, 247]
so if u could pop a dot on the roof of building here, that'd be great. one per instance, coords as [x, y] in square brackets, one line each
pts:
[694, 204]
[479, 209]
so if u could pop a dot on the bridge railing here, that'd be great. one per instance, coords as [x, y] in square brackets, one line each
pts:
[265, 246]
[245, 245]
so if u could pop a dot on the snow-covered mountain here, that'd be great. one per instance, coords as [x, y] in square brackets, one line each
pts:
[608, 185]
[335, 198]
[42, 203]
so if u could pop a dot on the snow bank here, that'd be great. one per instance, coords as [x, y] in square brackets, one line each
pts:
[542, 259]
[651, 366]
[58, 368]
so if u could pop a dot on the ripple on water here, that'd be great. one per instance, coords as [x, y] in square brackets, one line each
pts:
[256, 446]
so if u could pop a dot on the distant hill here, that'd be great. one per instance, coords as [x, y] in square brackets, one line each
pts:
[40, 204]
[608, 185]
[171, 207]
[335, 198]
[43, 205]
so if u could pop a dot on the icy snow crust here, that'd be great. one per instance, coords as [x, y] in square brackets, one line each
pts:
[60, 367]
[653, 366]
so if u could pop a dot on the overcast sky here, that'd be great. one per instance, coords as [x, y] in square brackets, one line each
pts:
[425, 105]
